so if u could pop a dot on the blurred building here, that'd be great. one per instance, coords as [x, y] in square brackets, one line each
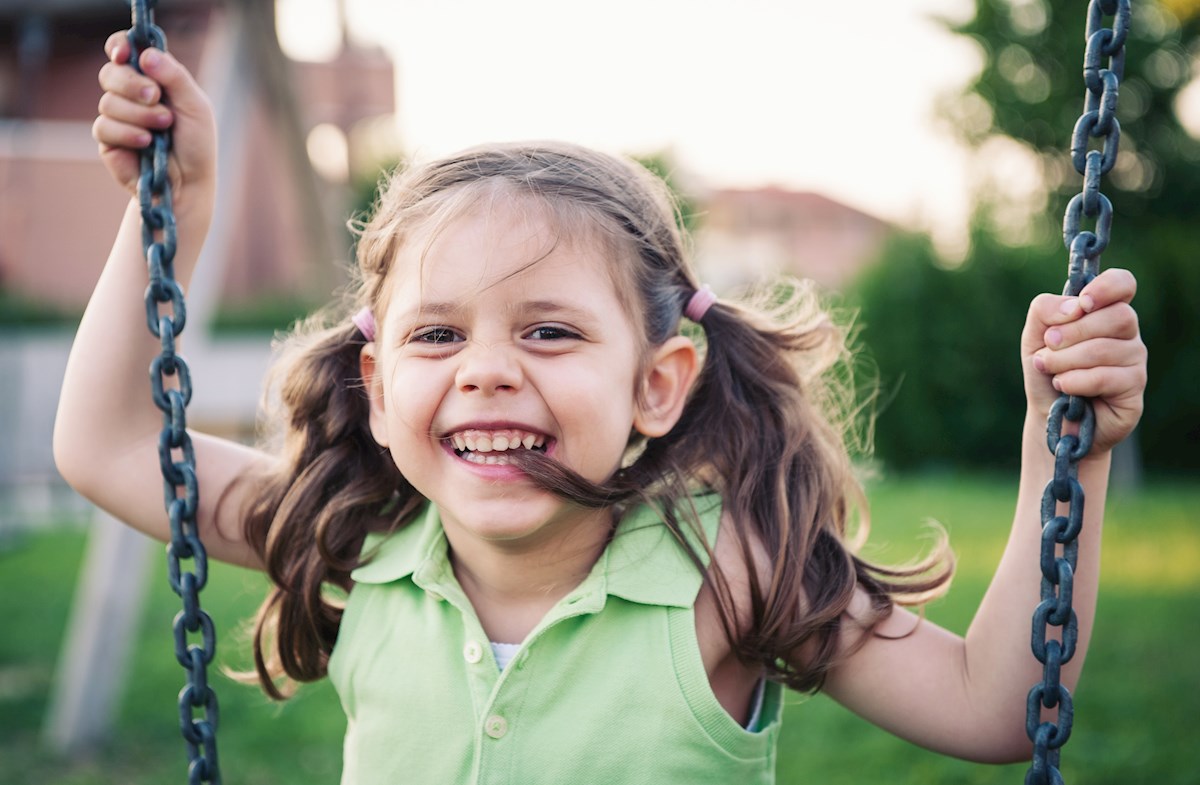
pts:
[747, 235]
[289, 133]
[281, 234]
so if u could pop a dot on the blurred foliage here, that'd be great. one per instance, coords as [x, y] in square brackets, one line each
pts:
[20, 310]
[366, 185]
[946, 340]
[1032, 87]
[269, 313]
[662, 165]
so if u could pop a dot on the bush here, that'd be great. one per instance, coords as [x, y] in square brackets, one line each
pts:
[946, 343]
[263, 314]
[19, 310]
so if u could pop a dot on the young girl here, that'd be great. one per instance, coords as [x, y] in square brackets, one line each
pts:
[577, 548]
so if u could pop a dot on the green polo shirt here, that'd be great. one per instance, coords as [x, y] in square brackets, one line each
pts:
[608, 688]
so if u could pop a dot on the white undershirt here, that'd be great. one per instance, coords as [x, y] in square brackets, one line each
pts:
[504, 653]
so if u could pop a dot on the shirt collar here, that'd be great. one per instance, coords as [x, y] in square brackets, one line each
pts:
[644, 563]
[392, 556]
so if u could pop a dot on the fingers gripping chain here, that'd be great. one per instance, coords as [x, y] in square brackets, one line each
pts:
[171, 388]
[1058, 565]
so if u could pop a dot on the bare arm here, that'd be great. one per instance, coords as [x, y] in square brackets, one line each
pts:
[965, 696]
[106, 431]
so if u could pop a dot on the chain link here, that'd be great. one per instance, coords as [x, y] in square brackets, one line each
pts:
[1098, 121]
[171, 390]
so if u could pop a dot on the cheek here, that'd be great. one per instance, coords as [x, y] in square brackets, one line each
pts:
[600, 406]
[412, 396]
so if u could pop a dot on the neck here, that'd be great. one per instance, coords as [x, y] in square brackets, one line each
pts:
[512, 584]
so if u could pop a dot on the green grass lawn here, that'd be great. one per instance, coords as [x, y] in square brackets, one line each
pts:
[1136, 718]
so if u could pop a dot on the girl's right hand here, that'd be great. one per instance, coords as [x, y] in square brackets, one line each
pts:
[163, 96]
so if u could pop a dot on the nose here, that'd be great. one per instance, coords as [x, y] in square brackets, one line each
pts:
[489, 369]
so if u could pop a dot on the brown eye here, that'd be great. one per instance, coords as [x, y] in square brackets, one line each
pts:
[436, 335]
[551, 332]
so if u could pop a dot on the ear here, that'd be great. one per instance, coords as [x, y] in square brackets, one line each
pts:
[368, 365]
[665, 386]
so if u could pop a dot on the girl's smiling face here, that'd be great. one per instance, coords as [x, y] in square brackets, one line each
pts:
[500, 335]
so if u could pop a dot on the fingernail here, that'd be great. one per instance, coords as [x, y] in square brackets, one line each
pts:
[142, 139]
[1053, 337]
[1056, 383]
[151, 58]
[147, 94]
[1039, 363]
[1086, 303]
[1068, 306]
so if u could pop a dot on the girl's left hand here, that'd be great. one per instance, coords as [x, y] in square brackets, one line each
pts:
[1088, 345]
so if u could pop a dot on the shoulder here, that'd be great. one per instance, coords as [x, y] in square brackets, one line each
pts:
[749, 580]
[723, 611]
[724, 606]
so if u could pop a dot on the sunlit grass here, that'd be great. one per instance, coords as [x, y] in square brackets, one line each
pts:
[1135, 698]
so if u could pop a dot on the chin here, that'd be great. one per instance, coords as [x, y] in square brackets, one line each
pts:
[510, 520]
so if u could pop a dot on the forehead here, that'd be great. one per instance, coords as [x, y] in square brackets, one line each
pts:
[497, 242]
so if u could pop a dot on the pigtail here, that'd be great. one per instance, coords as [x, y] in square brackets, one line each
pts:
[770, 418]
[333, 485]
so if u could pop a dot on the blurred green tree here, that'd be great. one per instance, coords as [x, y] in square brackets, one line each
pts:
[1032, 85]
[662, 164]
[1028, 95]
[1030, 89]
[944, 343]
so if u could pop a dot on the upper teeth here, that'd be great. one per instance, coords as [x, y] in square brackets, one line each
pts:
[496, 441]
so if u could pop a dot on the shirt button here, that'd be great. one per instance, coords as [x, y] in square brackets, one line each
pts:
[472, 652]
[495, 726]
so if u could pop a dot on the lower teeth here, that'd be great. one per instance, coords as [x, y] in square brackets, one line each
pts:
[492, 459]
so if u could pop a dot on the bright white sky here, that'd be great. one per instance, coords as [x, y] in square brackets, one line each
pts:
[833, 96]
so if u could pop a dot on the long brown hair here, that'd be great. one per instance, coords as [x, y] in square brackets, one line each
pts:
[765, 426]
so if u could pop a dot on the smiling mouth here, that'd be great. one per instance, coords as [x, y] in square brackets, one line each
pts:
[495, 448]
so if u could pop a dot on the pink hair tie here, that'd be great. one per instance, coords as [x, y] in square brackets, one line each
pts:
[699, 304]
[364, 320]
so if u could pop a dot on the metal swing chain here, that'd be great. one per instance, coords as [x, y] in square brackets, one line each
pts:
[1098, 121]
[176, 455]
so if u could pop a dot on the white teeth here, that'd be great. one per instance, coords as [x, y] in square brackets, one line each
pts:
[490, 459]
[474, 444]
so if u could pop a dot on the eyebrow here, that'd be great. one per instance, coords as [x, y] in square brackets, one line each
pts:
[547, 307]
[433, 309]
[552, 308]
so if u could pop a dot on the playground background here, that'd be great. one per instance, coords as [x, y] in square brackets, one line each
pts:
[969, 281]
